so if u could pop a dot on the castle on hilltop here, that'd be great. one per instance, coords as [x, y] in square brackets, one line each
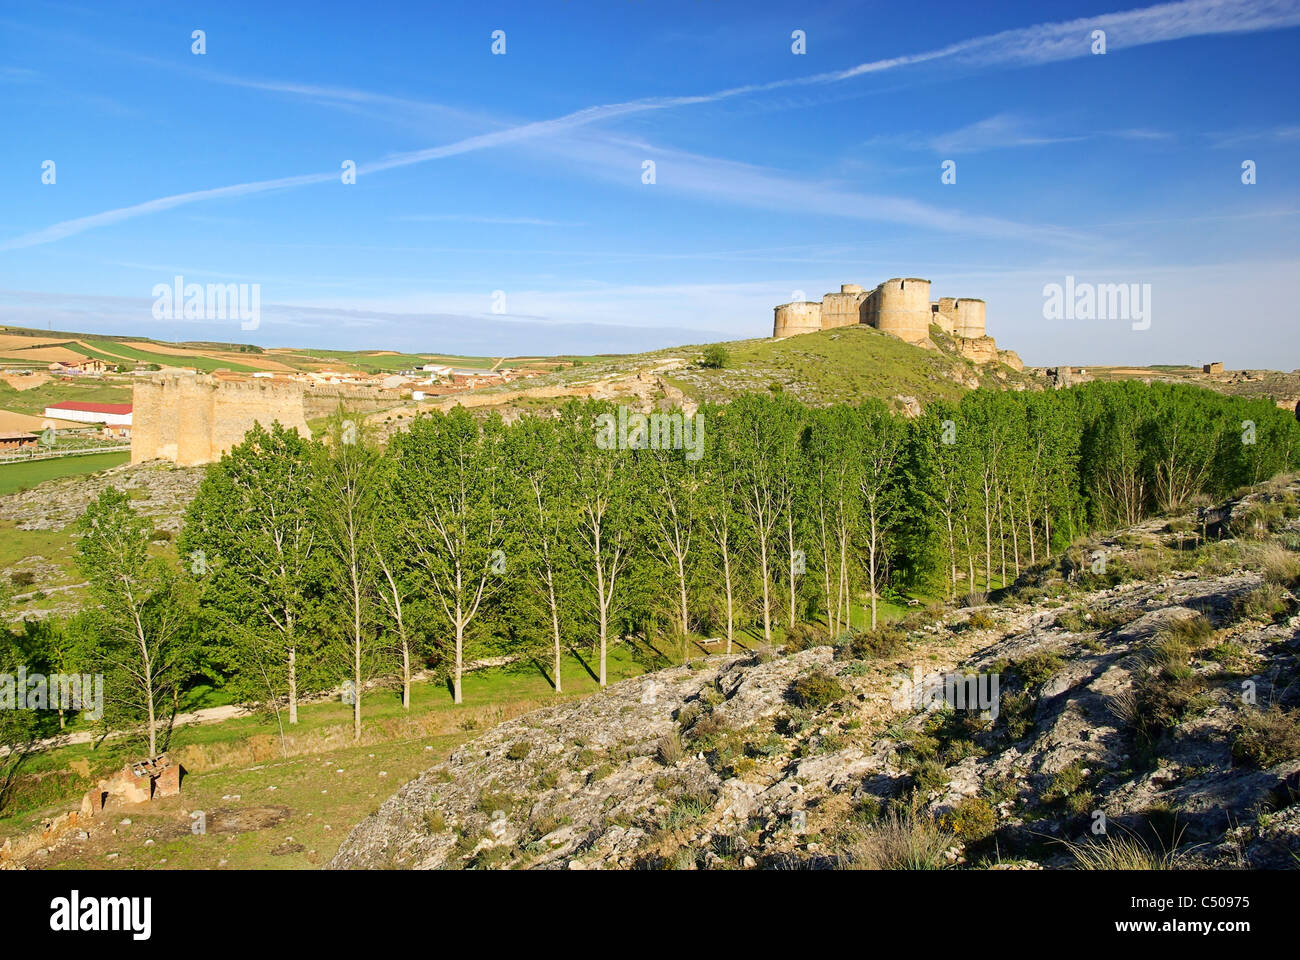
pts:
[902, 307]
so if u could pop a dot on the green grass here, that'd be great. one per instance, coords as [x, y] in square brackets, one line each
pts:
[35, 400]
[27, 474]
[843, 365]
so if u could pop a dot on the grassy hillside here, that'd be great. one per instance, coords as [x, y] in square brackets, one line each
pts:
[845, 364]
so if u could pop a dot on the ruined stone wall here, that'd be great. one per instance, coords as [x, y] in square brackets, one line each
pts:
[944, 313]
[192, 419]
[320, 400]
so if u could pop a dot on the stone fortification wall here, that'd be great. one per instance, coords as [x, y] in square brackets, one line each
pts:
[192, 419]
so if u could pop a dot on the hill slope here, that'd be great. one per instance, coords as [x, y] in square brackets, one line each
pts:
[1120, 703]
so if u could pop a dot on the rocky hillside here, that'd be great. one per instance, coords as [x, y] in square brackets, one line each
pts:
[1145, 714]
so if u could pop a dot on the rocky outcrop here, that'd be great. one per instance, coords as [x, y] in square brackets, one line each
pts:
[1123, 701]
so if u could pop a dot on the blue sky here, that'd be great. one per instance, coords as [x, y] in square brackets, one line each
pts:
[774, 172]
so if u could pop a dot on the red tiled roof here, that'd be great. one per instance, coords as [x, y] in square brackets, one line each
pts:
[92, 407]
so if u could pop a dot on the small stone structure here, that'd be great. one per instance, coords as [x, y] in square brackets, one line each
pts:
[1215, 367]
[135, 783]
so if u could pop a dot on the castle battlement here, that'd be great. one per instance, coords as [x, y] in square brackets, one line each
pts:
[193, 418]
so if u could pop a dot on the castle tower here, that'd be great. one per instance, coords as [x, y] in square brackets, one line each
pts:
[970, 318]
[902, 308]
[944, 313]
[802, 316]
[844, 308]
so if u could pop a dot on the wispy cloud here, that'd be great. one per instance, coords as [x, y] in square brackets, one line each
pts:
[1282, 134]
[495, 221]
[1002, 131]
[1037, 44]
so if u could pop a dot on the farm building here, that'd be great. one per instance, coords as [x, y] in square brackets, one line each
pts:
[116, 416]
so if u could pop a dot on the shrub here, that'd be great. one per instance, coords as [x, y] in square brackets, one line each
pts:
[1268, 737]
[1280, 565]
[980, 620]
[1038, 667]
[1257, 521]
[518, 750]
[434, 822]
[1268, 601]
[899, 841]
[975, 599]
[1071, 620]
[715, 357]
[884, 641]
[802, 636]
[669, 750]
[1068, 788]
[22, 578]
[972, 819]
[816, 690]
[685, 809]
[1120, 853]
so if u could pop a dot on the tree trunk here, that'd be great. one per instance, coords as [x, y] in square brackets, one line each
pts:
[460, 649]
[293, 686]
[555, 631]
[790, 540]
[871, 565]
[406, 675]
[726, 576]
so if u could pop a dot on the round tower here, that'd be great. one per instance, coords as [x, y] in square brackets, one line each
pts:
[902, 307]
[802, 316]
[970, 318]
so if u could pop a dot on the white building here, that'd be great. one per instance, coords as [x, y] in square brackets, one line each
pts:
[109, 414]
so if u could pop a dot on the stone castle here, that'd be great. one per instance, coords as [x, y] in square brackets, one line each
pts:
[192, 419]
[902, 307]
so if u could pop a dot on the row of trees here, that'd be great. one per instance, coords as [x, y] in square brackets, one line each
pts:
[308, 562]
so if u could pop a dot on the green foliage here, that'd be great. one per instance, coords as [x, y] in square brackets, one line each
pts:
[815, 691]
[972, 819]
[715, 357]
[1268, 737]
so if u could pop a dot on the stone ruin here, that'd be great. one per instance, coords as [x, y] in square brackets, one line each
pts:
[135, 783]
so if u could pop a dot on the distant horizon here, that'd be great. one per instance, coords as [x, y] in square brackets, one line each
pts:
[377, 349]
[622, 179]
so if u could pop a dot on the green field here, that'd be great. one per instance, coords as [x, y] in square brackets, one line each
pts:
[23, 475]
[206, 364]
[87, 390]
